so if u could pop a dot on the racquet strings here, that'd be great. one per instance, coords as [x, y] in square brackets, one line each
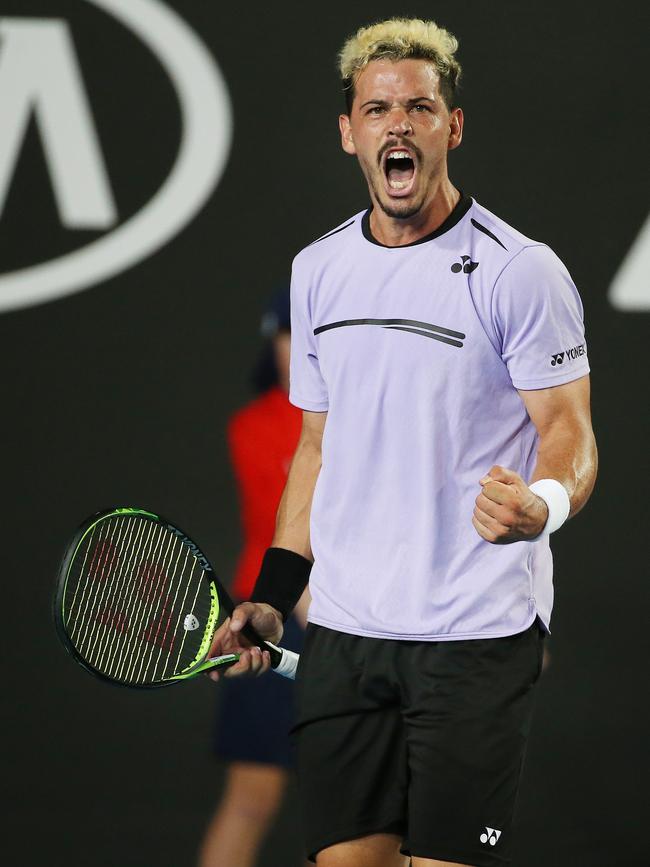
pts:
[137, 607]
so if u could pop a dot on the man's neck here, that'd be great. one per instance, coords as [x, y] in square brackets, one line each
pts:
[393, 232]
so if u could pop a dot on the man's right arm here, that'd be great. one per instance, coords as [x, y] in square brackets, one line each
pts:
[291, 534]
[292, 523]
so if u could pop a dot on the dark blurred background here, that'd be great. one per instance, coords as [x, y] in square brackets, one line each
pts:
[119, 394]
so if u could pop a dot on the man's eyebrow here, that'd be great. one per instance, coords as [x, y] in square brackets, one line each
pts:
[373, 102]
[384, 102]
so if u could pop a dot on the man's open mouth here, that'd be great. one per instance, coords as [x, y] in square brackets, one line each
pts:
[399, 170]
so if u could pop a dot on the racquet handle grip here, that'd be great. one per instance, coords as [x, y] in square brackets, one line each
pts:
[288, 662]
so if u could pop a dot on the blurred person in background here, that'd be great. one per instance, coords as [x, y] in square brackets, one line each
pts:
[254, 718]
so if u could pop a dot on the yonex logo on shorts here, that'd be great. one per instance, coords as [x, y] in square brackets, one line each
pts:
[490, 835]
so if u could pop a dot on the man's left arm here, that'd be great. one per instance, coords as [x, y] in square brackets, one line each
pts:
[507, 510]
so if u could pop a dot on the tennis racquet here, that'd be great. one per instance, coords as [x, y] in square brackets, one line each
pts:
[137, 603]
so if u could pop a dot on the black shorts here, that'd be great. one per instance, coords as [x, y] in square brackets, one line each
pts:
[421, 739]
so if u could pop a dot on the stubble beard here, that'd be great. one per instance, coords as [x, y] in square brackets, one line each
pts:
[396, 211]
[405, 213]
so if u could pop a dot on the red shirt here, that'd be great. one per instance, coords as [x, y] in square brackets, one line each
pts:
[262, 438]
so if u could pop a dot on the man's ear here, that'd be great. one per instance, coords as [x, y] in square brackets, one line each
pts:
[346, 135]
[456, 121]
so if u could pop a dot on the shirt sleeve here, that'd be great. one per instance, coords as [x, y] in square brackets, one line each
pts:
[538, 318]
[307, 388]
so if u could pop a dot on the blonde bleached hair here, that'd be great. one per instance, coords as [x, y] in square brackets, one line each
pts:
[401, 39]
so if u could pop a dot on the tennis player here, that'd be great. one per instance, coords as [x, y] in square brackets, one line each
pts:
[439, 358]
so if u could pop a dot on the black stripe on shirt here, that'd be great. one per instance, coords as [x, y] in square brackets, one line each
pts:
[414, 326]
[333, 232]
[487, 232]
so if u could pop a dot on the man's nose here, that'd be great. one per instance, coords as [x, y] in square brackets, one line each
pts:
[400, 123]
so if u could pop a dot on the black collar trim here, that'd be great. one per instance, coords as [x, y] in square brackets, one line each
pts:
[463, 206]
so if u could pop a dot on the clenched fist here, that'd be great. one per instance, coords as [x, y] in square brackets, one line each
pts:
[507, 510]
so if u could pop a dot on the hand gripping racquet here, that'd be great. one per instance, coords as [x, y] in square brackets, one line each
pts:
[137, 603]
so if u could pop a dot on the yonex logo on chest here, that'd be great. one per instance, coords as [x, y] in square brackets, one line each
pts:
[465, 265]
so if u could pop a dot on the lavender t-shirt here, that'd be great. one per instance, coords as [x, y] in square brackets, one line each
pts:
[416, 353]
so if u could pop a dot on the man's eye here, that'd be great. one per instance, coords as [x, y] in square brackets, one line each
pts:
[420, 108]
[376, 109]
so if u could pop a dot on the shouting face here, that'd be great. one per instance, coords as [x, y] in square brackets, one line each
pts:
[400, 130]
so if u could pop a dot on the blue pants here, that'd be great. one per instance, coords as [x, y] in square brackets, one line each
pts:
[256, 714]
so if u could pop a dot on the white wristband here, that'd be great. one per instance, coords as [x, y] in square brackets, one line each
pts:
[556, 498]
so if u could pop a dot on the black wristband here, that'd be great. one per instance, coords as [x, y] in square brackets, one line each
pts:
[282, 579]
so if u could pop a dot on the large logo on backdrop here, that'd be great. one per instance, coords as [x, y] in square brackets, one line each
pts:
[41, 81]
[630, 288]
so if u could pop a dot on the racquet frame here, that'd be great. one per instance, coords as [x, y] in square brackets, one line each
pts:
[218, 596]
